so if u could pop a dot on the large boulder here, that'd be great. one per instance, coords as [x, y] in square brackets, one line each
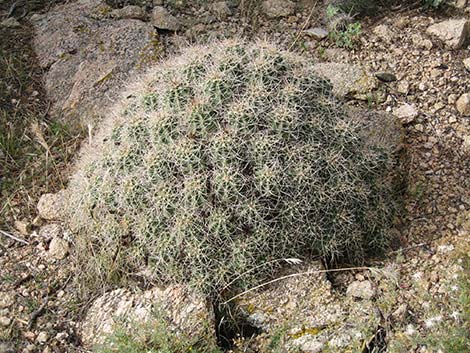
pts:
[183, 310]
[86, 54]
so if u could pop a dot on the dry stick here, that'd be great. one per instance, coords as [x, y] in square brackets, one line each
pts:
[11, 236]
[298, 274]
[314, 6]
[35, 314]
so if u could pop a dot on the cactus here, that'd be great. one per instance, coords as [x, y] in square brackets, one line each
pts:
[218, 163]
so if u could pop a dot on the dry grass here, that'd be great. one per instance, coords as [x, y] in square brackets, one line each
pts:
[34, 150]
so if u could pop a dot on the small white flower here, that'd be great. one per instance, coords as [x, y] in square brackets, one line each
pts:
[417, 275]
[410, 330]
[432, 321]
[454, 288]
[455, 315]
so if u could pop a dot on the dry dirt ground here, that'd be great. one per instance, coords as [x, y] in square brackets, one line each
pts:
[37, 308]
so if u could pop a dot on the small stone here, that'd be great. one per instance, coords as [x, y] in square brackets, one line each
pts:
[460, 4]
[5, 321]
[403, 87]
[162, 19]
[6, 348]
[157, 2]
[466, 143]
[10, 22]
[419, 127]
[466, 63]
[452, 119]
[463, 104]
[129, 12]
[454, 32]
[220, 10]
[22, 227]
[42, 337]
[6, 300]
[400, 314]
[361, 290]
[452, 98]
[29, 348]
[58, 248]
[50, 206]
[317, 33]
[406, 113]
[278, 8]
[385, 76]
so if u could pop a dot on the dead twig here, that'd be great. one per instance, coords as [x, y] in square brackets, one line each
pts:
[298, 274]
[36, 313]
[11, 236]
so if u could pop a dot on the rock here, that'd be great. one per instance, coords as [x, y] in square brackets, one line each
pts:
[310, 312]
[157, 2]
[385, 76]
[406, 113]
[403, 87]
[278, 8]
[6, 347]
[129, 12]
[10, 22]
[51, 206]
[22, 227]
[6, 300]
[463, 104]
[220, 10]
[361, 290]
[454, 32]
[460, 4]
[42, 337]
[466, 63]
[86, 60]
[58, 249]
[466, 143]
[184, 311]
[162, 19]
[399, 315]
[347, 80]
[5, 321]
[317, 33]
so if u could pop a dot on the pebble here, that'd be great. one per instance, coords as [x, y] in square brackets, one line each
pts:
[361, 290]
[42, 337]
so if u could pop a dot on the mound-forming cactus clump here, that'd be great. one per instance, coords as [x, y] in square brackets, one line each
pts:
[221, 161]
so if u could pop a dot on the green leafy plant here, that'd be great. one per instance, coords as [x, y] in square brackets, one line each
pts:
[434, 3]
[219, 163]
[347, 38]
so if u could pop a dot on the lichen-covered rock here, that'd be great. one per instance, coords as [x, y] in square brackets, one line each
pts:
[347, 80]
[454, 32]
[87, 54]
[310, 313]
[183, 310]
